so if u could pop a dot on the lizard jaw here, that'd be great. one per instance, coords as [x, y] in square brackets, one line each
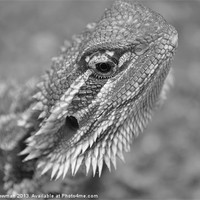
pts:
[87, 151]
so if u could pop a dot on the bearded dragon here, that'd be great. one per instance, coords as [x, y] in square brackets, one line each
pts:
[97, 97]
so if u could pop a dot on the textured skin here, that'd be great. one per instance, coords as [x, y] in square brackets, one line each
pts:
[98, 95]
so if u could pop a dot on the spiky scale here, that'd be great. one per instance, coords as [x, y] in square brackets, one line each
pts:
[38, 106]
[27, 150]
[66, 167]
[96, 152]
[113, 159]
[31, 156]
[46, 168]
[84, 146]
[94, 165]
[60, 172]
[114, 149]
[73, 165]
[39, 132]
[78, 164]
[42, 115]
[29, 139]
[77, 151]
[41, 164]
[100, 166]
[91, 142]
[107, 161]
[108, 150]
[87, 163]
[37, 95]
[55, 168]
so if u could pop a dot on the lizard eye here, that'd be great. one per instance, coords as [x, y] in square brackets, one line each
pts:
[104, 68]
[102, 65]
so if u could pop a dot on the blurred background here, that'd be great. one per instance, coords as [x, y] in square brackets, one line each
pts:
[164, 162]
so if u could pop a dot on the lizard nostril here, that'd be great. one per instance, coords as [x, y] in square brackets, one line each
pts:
[72, 122]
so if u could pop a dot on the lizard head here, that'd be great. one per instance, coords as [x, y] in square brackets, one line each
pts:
[102, 89]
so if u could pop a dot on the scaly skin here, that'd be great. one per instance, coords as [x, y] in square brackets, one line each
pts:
[99, 93]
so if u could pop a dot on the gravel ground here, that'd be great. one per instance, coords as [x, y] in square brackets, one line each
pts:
[164, 162]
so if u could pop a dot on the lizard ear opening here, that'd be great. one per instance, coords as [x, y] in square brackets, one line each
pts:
[72, 122]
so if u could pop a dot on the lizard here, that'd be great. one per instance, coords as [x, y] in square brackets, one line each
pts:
[98, 95]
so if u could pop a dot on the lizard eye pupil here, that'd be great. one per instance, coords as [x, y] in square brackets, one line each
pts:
[104, 67]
